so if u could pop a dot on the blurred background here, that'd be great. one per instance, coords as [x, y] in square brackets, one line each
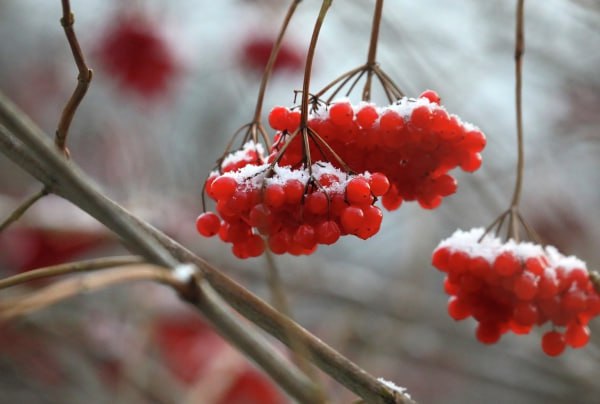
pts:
[173, 81]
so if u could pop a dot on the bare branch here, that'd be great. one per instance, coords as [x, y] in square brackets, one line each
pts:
[69, 268]
[22, 208]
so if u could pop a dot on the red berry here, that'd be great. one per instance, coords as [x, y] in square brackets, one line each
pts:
[278, 118]
[431, 95]
[367, 116]
[488, 333]
[208, 224]
[305, 236]
[352, 218]
[440, 258]
[471, 163]
[223, 187]
[421, 117]
[553, 343]
[391, 200]
[506, 264]
[458, 309]
[358, 192]
[391, 121]
[525, 286]
[274, 195]
[341, 114]
[280, 242]
[316, 203]
[328, 232]
[379, 184]
[294, 190]
[255, 246]
[577, 335]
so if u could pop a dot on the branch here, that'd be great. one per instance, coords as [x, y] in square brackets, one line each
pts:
[59, 291]
[83, 79]
[36, 162]
[22, 208]
[69, 268]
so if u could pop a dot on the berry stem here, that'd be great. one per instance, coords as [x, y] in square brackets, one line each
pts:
[271, 62]
[372, 55]
[519, 51]
[309, 60]
[83, 79]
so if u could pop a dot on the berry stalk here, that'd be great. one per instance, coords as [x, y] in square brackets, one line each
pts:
[519, 51]
[309, 61]
[372, 55]
[272, 58]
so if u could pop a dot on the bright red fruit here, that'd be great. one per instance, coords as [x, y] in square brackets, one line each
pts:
[208, 224]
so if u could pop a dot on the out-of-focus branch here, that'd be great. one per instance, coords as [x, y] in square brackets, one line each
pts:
[64, 179]
[69, 268]
[83, 79]
[61, 290]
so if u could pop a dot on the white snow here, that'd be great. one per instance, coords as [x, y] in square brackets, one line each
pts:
[184, 272]
[253, 176]
[491, 246]
[404, 107]
[394, 387]
[242, 154]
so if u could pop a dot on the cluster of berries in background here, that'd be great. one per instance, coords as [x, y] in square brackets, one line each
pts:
[515, 286]
[414, 142]
[293, 209]
[137, 55]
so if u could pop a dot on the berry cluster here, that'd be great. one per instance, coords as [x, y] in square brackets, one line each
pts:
[138, 55]
[515, 286]
[293, 209]
[414, 142]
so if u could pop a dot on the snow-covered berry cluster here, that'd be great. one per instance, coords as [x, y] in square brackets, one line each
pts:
[414, 142]
[514, 286]
[291, 209]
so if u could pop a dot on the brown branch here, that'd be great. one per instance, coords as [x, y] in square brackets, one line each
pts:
[36, 160]
[83, 79]
[69, 268]
[519, 51]
[372, 55]
[61, 290]
[22, 208]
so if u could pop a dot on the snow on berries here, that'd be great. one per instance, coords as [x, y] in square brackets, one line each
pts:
[286, 209]
[414, 142]
[514, 286]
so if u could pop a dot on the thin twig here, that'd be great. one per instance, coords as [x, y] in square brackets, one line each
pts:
[372, 55]
[83, 79]
[280, 302]
[272, 59]
[519, 51]
[69, 268]
[22, 208]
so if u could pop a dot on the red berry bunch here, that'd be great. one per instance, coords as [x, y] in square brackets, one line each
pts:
[414, 142]
[292, 209]
[136, 54]
[515, 286]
